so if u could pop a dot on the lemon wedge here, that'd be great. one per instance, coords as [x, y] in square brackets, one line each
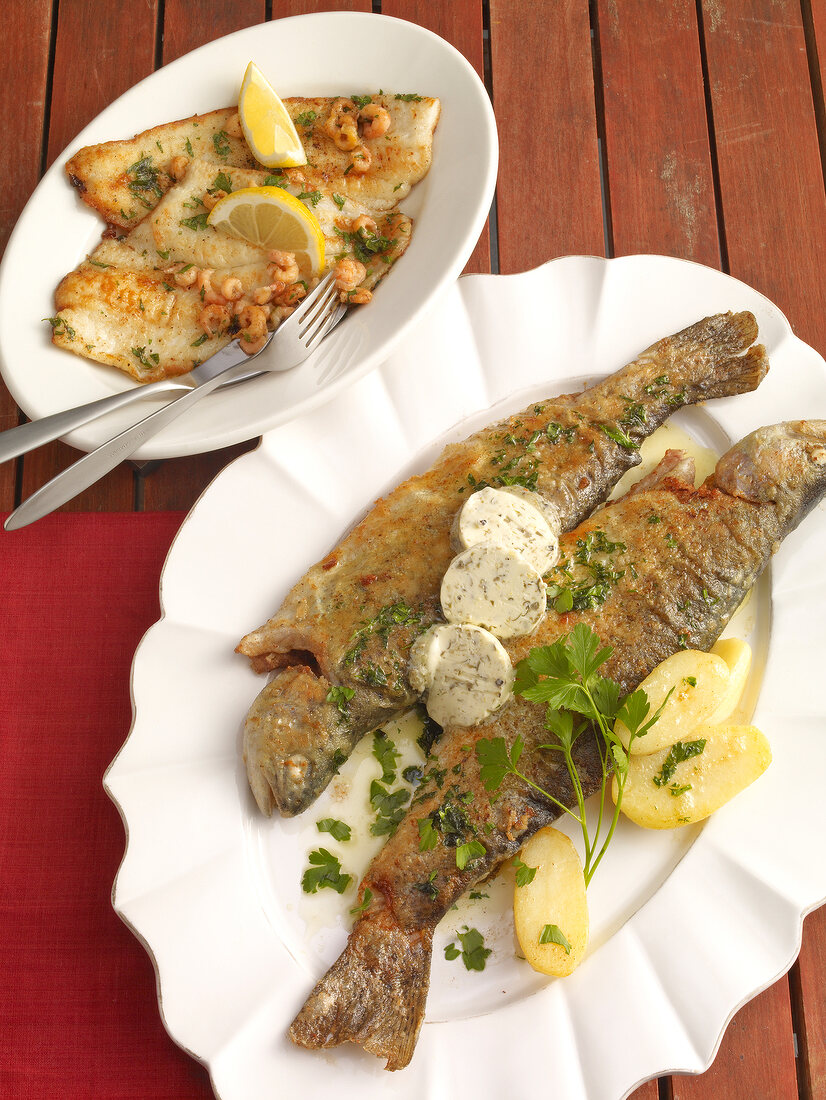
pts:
[266, 123]
[272, 218]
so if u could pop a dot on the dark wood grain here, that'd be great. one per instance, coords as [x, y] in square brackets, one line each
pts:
[548, 197]
[459, 23]
[649, 1091]
[283, 8]
[26, 23]
[756, 1056]
[657, 155]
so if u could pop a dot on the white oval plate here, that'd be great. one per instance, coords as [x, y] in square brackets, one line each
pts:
[686, 925]
[324, 54]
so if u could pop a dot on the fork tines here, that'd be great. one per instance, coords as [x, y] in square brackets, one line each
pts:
[317, 309]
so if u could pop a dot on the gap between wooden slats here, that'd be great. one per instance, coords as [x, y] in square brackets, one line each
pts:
[26, 23]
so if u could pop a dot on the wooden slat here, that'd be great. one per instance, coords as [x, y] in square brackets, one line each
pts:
[649, 1091]
[283, 8]
[182, 33]
[771, 180]
[548, 196]
[460, 24]
[756, 1056]
[656, 135]
[26, 23]
[100, 52]
[177, 483]
[810, 985]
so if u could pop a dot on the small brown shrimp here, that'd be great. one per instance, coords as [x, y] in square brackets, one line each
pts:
[341, 126]
[178, 167]
[213, 318]
[210, 198]
[232, 288]
[253, 322]
[186, 276]
[361, 160]
[284, 268]
[376, 120]
[349, 273]
[208, 293]
[252, 345]
[358, 297]
[291, 295]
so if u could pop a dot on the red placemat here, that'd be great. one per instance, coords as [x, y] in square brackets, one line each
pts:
[78, 1012]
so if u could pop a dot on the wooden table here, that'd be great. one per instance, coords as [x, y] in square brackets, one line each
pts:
[692, 128]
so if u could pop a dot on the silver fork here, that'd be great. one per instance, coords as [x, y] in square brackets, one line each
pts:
[292, 342]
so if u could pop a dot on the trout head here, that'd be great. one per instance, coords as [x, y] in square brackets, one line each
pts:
[783, 465]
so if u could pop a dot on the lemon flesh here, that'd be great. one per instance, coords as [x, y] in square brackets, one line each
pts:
[272, 218]
[266, 123]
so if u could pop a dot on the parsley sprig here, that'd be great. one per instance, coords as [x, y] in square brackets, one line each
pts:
[565, 677]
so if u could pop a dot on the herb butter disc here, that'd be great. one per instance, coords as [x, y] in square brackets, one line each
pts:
[464, 673]
[513, 521]
[494, 588]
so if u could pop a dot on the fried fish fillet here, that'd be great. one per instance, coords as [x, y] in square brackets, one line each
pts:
[350, 621]
[721, 537]
[123, 180]
[122, 308]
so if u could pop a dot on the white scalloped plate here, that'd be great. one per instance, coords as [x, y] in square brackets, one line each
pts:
[686, 925]
[322, 54]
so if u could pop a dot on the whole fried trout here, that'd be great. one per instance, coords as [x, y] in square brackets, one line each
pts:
[678, 581]
[342, 637]
[347, 626]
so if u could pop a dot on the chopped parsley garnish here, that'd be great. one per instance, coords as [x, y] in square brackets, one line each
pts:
[554, 432]
[199, 221]
[60, 327]
[524, 873]
[386, 620]
[428, 837]
[97, 263]
[361, 100]
[365, 902]
[324, 873]
[143, 176]
[189, 148]
[620, 437]
[389, 808]
[409, 97]
[413, 774]
[306, 118]
[338, 830]
[201, 339]
[677, 754]
[366, 245]
[220, 142]
[313, 197]
[473, 950]
[276, 181]
[431, 732]
[690, 680]
[387, 754]
[222, 182]
[149, 361]
[467, 853]
[340, 697]
[552, 933]
[339, 201]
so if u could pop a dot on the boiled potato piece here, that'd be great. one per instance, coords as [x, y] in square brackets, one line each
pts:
[731, 759]
[737, 655]
[700, 681]
[555, 897]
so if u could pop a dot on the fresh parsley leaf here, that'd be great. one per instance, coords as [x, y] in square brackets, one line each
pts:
[338, 830]
[387, 754]
[428, 836]
[60, 327]
[409, 97]
[473, 952]
[466, 853]
[149, 361]
[324, 872]
[340, 696]
[361, 100]
[313, 197]
[279, 180]
[552, 933]
[524, 873]
[389, 808]
[199, 221]
[201, 340]
[452, 952]
[495, 761]
[306, 118]
[220, 142]
[339, 201]
[365, 902]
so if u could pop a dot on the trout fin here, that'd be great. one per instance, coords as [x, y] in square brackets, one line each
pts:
[738, 374]
[374, 994]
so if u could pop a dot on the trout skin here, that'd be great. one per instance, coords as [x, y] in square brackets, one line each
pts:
[350, 622]
[692, 569]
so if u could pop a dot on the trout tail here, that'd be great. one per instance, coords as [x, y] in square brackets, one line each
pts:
[716, 356]
[373, 995]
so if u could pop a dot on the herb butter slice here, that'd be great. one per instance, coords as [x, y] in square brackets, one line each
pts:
[464, 673]
[494, 588]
